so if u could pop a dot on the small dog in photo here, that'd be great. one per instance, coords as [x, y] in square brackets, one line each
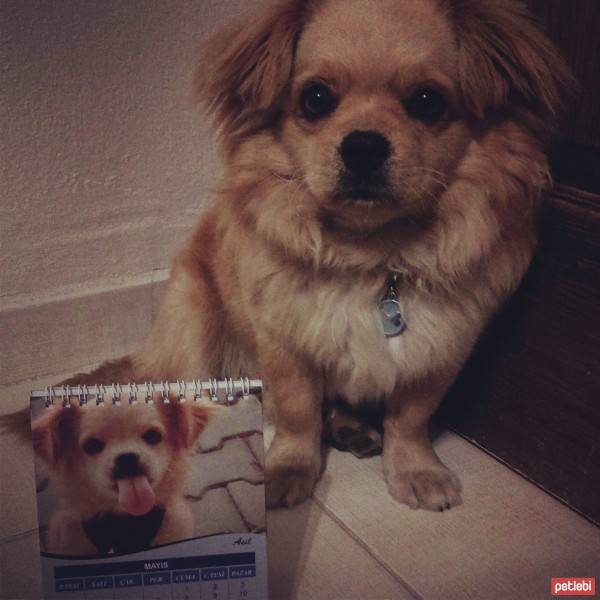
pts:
[384, 160]
[119, 473]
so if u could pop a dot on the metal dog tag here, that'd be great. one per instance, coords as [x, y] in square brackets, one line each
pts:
[391, 317]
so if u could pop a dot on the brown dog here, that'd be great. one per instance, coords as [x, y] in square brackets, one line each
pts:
[376, 151]
[119, 472]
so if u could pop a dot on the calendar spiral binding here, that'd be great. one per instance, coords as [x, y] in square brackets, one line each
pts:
[222, 391]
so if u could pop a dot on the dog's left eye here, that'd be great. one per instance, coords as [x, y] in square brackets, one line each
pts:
[152, 437]
[93, 445]
[317, 101]
[426, 105]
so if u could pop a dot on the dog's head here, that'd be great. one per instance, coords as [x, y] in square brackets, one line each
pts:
[125, 458]
[376, 102]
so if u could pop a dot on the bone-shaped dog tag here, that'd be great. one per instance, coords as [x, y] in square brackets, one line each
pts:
[391, 317]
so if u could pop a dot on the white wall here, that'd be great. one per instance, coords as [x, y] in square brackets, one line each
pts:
[106, 161]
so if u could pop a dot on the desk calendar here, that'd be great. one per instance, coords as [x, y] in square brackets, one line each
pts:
[151, 491]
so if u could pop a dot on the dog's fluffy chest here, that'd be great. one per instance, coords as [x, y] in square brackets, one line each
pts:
[339, 327]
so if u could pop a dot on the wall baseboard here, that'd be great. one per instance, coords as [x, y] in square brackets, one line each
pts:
[66, 334]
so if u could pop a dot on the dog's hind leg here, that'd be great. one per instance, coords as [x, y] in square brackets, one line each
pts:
[348, 429]
[112, 371]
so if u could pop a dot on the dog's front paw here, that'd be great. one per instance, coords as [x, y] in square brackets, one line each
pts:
[291, 472]
[431, 488]
[288, 486]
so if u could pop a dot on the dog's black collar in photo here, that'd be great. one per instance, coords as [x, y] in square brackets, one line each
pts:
[389, 309]
[123, 533]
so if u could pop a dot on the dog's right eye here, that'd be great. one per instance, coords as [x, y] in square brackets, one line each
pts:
[93, 446]
[427, 105]
[317, 101]
[152, 437]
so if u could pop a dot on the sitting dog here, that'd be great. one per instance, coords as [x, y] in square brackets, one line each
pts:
[383, 164]
[119, 472]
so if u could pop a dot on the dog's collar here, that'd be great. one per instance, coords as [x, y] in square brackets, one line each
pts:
[389, 309]
[123, 533]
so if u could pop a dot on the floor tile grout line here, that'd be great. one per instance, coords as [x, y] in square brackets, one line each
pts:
[382, 563]
[560, 501]
[18, 536]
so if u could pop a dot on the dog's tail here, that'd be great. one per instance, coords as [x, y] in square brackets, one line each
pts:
[17, 423]
[120, 370]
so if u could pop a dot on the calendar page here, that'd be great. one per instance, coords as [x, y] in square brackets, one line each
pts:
[151, 491]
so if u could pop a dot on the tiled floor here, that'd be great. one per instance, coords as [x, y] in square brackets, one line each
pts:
[352, 541]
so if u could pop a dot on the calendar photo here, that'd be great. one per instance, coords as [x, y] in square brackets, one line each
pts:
[151, 491]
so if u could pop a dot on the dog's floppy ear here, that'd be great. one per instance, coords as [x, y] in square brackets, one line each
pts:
[55, 434]
[505, 57]
[245, 67]
[198, 416]
[185, 421]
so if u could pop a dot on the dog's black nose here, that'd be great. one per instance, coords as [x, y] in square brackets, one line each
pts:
[364, 152]
[127, 465]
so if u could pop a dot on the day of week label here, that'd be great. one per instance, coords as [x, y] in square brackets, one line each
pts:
[210, 574]
[71, 585]
[186, 576]
[98, 583]
[239, 572]
[157, 578]
[122, 581]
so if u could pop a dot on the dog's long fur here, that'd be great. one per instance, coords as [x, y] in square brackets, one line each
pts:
[282, 279]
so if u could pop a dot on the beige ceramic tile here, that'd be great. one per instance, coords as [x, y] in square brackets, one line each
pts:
[506, 541]
[20, 571]
[312, 558]
[18, 499]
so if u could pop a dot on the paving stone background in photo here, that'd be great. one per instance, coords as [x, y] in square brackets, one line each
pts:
[226, 479]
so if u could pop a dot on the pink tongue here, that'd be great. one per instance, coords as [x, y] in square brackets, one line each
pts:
[135, 495]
